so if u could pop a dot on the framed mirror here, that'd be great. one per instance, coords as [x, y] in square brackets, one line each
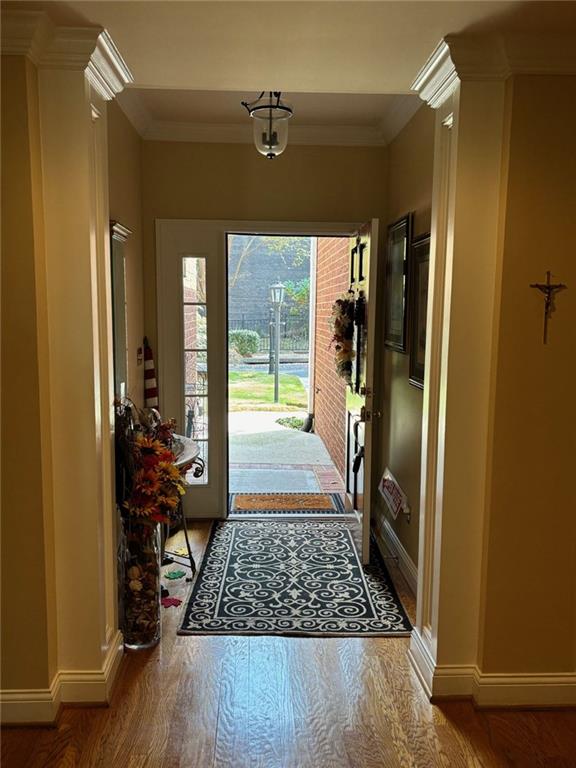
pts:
[118, 237]
[419, 264]
[396, 286]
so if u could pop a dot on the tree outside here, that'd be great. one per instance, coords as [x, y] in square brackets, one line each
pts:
[255, 262]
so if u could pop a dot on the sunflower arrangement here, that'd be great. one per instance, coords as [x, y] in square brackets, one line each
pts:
[157, 484]
[148, 492]
[342, 323]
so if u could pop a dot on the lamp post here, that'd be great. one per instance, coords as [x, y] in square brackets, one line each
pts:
[276, 299]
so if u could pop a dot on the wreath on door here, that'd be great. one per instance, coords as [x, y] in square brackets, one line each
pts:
[342, 323]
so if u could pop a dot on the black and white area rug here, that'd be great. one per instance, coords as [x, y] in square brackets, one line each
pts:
[279, 577]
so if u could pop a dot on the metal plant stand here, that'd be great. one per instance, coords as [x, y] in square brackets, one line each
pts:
[188, 455]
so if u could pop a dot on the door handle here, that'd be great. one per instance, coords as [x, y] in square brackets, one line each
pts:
[358, 461]
[366, 415]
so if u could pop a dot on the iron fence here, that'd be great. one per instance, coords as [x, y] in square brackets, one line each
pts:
[294, 332]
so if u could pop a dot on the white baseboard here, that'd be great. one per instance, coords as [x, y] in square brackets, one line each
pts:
[454, 681]
[489, 690]
[92, 686]
[30, 705]
[406, 565]
[422, 661]
[41, 706]
[530, 690]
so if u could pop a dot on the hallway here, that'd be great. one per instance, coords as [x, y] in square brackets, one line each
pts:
[275, 702]
[421, 139]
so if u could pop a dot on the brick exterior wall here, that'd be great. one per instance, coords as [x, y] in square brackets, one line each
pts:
[330, 390]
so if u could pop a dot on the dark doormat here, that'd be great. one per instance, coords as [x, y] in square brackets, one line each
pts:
[280, 577]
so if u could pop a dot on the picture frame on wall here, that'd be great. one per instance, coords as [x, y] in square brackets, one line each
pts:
[396, 287]
[419, 268]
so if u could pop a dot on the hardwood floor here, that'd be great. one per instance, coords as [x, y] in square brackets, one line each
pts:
[273, 702]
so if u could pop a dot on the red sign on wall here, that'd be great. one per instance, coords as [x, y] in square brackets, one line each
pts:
[395, 498]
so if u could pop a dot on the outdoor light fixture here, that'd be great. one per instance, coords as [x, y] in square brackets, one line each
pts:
[276, 299]
[276, 294]
[270, 116]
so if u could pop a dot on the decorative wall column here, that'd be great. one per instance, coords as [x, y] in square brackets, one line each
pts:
[467, 80]
[79, 69]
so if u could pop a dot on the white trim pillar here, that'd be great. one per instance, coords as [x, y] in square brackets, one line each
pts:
[79, 70]
[467, 80]
[464, 283]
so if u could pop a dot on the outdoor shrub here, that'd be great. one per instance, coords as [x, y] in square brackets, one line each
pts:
[245, 342]
[292, 422]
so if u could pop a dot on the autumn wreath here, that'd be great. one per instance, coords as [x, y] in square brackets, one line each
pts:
[342, 322]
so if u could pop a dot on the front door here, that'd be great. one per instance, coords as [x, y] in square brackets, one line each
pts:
[192, 339]
[361, 413]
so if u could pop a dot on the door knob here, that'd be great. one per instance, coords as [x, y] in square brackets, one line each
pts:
[366, 415]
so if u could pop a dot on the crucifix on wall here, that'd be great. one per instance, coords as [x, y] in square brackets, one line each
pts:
[549, 290]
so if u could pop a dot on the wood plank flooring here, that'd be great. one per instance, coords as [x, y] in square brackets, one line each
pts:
[274, 702]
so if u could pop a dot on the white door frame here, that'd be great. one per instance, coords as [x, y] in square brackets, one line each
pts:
[166, 229]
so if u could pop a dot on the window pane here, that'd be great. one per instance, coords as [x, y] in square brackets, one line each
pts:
[196, 373]
[197, 418]
[195, 358]
[194, 279]
[194, 326]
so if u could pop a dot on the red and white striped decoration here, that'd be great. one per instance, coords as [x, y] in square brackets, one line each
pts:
[150, 384]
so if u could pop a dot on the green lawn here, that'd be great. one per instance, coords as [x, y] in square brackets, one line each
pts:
[249, 391]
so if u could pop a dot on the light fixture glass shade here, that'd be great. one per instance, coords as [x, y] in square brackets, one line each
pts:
[270, 127]
[270, 135]
[277, 294]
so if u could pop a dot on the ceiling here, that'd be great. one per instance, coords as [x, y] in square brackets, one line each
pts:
[313, 47]
[340, 63]
[216, 116]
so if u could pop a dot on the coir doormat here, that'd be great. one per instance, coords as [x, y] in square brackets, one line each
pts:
[290, 504]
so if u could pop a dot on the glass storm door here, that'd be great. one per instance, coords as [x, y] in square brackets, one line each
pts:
[191, 355]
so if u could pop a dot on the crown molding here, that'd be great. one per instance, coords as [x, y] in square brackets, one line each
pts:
[26, 33]
[459, 58]
[88, 49]
[107, 71]
[119, 232]
[437, 79]
[241, 133]
[398, 115]
[551, 54]
[131, 104]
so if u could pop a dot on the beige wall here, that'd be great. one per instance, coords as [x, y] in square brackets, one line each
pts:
[125, 195]
[28, 632]
[232, 181]
[530, 600]
[408, 188]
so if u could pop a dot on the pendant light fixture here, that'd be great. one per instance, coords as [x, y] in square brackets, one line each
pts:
[270, 116]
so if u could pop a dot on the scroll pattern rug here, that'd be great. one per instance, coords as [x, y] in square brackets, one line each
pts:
[290, 504]
[279, 577]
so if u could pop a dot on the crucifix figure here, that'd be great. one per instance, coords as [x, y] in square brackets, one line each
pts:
[549, 290]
